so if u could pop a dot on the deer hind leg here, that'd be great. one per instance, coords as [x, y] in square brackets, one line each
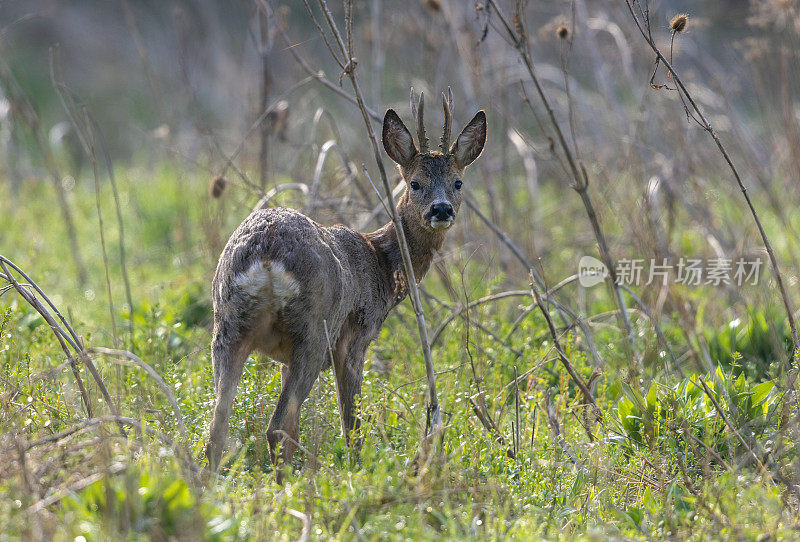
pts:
[297, 379]
[228, 352]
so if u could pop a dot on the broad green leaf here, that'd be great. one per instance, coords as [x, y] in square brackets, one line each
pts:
[762, 391]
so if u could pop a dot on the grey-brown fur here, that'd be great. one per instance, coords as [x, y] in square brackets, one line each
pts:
[282, 279]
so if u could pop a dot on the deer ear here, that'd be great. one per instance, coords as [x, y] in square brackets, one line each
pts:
[397, 140]
[469, 143]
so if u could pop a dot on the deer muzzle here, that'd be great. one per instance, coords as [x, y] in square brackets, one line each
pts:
[441, 215]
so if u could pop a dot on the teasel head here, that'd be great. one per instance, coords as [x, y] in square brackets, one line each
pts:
[217, 186]
[678, 23]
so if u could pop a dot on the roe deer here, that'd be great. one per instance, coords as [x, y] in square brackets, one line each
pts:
[290, 288]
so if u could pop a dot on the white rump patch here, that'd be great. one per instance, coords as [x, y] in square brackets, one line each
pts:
[269, 280]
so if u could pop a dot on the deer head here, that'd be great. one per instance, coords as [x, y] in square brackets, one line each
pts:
[433, 178]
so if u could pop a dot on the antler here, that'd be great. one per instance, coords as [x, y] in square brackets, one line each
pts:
[447, 106]
[418, 111]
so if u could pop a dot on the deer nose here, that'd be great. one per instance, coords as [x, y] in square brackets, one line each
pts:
[442, 211]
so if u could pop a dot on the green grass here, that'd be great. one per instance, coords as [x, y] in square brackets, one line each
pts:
[639, 475]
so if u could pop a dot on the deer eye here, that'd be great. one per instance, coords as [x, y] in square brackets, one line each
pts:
[458, 185]
[414, 185]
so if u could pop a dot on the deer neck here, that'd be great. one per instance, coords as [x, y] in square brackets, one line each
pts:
[422, 243]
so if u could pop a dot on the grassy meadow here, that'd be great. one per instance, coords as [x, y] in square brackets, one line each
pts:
[690, 427]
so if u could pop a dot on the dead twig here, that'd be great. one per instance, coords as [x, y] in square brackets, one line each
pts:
[87, 137]
[460, 310]
[580, 181]
[434, 414]
[155, 376]
[587, 395]
[31, 118]
[305, 520]
[643, 25]
[61, 335]
[91, 130]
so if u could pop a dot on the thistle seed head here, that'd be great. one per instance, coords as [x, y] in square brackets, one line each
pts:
[678, 23]
[217, 187]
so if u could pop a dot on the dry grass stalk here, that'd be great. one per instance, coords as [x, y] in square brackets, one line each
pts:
[642, 22]
[68, 339]
[31, 118]
[349, 69]
[580, 179]
[155, 376]
[562, 309]
[587, 394]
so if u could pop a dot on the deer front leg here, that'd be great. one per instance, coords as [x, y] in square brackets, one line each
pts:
[349, 372]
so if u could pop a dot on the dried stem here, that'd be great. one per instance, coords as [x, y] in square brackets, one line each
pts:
[263, 24]
[71, 339]
[319, 75]
[87, 137]
[643, 24]
[516, 409]
[31, 118]
[580, 179]
[350, 71]
[98, 206]
[587, 394]
[88, 132]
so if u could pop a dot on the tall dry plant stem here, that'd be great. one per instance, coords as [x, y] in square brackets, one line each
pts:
[580, 179]
[101, 229]
[66, 335]
[562, 356]
[31, 118]
[264, 16]
[642, 21]
[95, 129]
[349, 69]
[88, 132]
[565, 311]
